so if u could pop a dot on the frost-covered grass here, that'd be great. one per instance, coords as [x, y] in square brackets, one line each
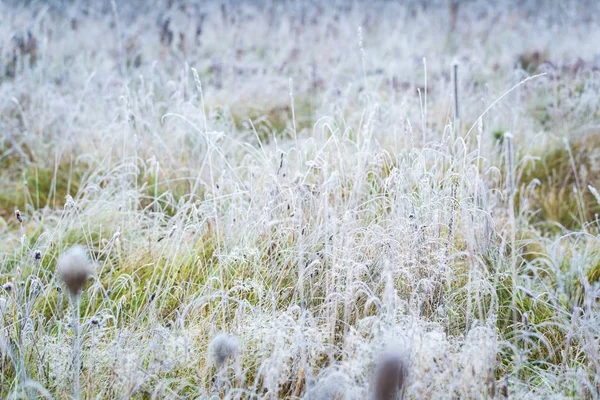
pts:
[282, 200]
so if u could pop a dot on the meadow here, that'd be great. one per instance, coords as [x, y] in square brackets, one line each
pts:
[299, 199]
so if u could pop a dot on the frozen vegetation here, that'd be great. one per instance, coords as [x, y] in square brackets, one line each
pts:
[299, 199]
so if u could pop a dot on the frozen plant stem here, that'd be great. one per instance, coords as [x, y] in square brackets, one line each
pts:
[425, 102]
[456, 114]
[74, 269]
[76, 345]
[579, 198]
[513, 239]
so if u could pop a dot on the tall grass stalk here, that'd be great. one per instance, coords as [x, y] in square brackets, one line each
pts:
[76, 368]
[456, 109]
[510, 186]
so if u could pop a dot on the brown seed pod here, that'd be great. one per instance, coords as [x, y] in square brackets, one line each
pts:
[390, 377]
[18, 215]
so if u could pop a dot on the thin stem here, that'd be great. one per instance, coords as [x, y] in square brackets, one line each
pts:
[456, 113]
[76, 346]
[513, 224]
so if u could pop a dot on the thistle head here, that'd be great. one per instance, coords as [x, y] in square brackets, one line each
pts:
[222, 348]
[390, 377]
[74, 268]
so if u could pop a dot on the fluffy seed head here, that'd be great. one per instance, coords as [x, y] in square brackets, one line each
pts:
[390, 377]
[74, 268]
[222, 348]
[334, 385]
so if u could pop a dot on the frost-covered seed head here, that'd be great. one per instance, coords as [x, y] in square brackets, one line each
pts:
[222, 348]
[8, 286]
[36, 285]
[390, 377]
[74, 268]
[69, 202]
[333, 385]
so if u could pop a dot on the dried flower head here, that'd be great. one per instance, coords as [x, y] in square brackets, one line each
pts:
[18, 215]
[37, 255]
[69, 202]
[390, 377]
[334, 385]
[36, 285]
[222, 348]
[8, 287]
[74, 268]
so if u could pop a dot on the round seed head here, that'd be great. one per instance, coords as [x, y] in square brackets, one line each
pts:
[222, 348]
[390, 377]
[8, 287]
[334, 385]
[74, 268]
